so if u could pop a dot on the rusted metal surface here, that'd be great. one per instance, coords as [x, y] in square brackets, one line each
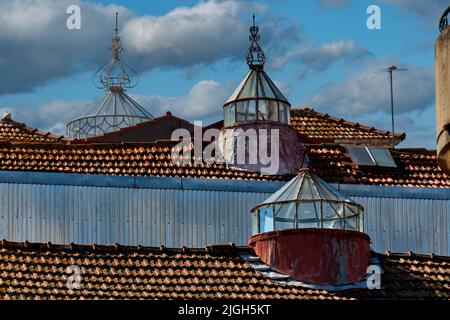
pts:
[321, 256]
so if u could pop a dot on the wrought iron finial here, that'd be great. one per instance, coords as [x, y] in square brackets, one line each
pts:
[255, 55]
[115, 75]
[443, 23]
[117, 24]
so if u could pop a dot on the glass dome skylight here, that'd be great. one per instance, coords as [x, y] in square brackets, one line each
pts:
[256, 98]
[116, 109]
[306, 202]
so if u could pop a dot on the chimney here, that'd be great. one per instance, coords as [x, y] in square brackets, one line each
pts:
[311, 232]
[442, 75]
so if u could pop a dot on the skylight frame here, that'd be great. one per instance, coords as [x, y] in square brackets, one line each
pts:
[376, 160]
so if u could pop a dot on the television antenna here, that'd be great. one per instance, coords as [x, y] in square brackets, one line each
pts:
[390, 70]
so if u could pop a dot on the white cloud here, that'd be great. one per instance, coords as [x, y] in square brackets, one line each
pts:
[187, 36]
[367, 92]
[321, 57]
[37, 47]
[203, 102]
[364, 97]
[51, 116]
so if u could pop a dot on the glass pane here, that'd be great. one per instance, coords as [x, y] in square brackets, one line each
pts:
[382, 157]
[250, 107]
[266, 90]
[308, 214]
[361, 156]
[285, 211]
[332, 211]
[282, 225]
[272, 110]
[254, 221]
[284, 116]
[249, 90]
[265, 219]
[229, 115]
[262, 110]
[240, 112]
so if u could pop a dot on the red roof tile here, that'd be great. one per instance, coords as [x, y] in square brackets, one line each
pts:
[40, 271]
[28, 149]
[415, 168]
[326, 128]
[154, 159]
[11, 130]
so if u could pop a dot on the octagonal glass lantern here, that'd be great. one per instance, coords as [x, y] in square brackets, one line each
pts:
[257, 98]
[307, 202]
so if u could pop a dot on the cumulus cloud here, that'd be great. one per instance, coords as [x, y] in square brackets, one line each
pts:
[367, 92]
[38, 48]
[364, 97]
[51, 116]
[319, 57]
[187, 36]
[203, 102]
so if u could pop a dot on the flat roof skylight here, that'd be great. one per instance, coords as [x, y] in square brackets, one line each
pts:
[371, 156]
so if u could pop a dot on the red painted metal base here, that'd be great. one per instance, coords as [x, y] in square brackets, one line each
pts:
[321, 256]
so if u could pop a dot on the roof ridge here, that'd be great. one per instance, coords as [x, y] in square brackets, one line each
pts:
[342, 121]
[115, 248]
[32, 130]
[410, 254]
[167, 115]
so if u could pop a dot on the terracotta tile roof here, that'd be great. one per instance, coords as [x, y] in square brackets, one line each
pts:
[11, 130]
[154, 159]
[415, 168]
[409, 276]
[40, 271]
[26, 149]
[326, 128]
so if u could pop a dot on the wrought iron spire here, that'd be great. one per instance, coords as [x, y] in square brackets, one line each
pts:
[115, 75]
[116, 110]
[255, 55]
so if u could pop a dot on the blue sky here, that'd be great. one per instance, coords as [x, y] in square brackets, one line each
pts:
[190, 57]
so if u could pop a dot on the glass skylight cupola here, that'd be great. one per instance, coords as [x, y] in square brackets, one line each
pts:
[306, 202]
[256, 98]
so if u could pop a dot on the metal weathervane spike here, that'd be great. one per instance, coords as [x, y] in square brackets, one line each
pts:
[116, 45]
[255, 55]
[115, 75]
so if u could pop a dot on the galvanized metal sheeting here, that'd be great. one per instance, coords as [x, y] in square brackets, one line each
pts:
[105, 215]
[196, 212]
